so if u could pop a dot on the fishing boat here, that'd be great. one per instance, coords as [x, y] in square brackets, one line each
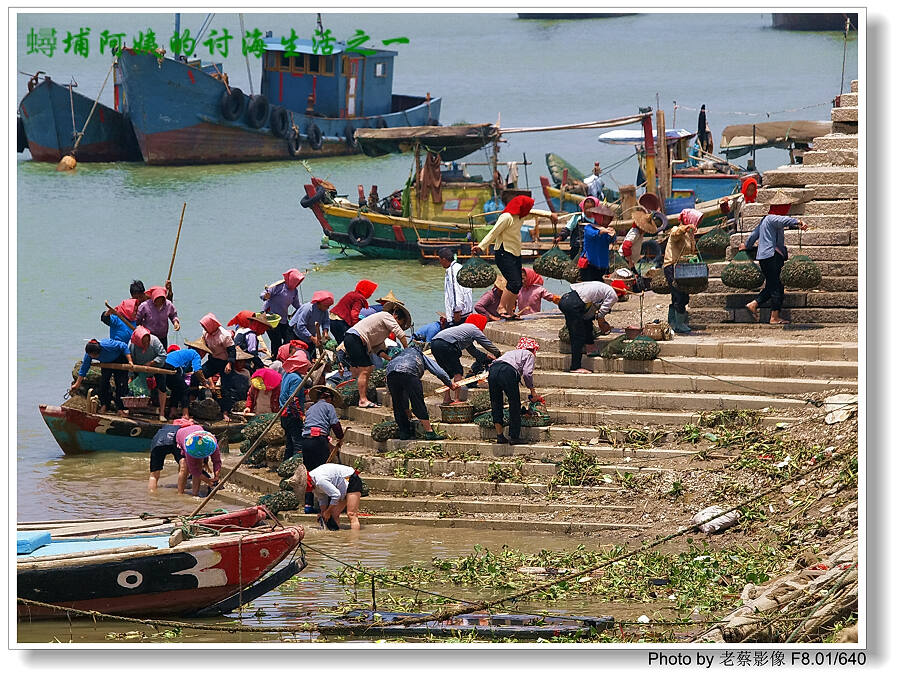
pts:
[498, 625]
[309, 105]
[814, 21]
[81, 431]
[52, 115]
[158, 567]
[795, 136]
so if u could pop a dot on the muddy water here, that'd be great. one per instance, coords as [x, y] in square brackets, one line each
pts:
[316, 597]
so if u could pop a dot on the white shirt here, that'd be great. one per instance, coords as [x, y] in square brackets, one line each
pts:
[456, 298]
[330, 480]
[598, 293]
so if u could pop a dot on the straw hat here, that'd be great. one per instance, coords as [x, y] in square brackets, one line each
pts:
[390, 297]
[269, 320]
[603, 210]
[316, 392]
[405, 319]
[644, 222]
[200, 344]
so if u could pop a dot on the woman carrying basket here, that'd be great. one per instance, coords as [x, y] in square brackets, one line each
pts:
[681, 242]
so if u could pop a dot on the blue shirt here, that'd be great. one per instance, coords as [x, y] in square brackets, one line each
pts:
[304, 321]
[281, 298]
[186, 358]
[413, 361]
[596, 247]
[770, 234]
[289, 382]
[117, 328]
[110, 350]
[320, 415]
[427, 332]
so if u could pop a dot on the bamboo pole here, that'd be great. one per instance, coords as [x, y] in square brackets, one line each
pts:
[461, 382]
[135, 368]
[175, 249]
[253, 447]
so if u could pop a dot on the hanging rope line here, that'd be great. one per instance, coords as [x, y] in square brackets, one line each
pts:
[755, 114]
[602, 124]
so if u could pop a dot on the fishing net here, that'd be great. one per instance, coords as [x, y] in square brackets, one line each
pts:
[480, 401]
[257, 425]
[284, 485]
[330, 345]
[279, 501]
[349, 391]
[801, 272]
[287, 467]
[616, 261]
[742, 273]
[533, 416]
[614, 348]
[658, 282]
[205, 410]
[713, 244]
[91, 379]
[572, 273]
[275, 435]
[378, 378]
[552, 263]
[476, 273]
[564, 334]
[138, 386]
[385, 430]
[275, 453]
[641, 348]
[257, 459]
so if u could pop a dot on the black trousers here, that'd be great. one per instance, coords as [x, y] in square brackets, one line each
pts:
[338, 328]
[112, 395]
[406, 391]
[280, 334]
[679, 299]
[581, 331]
[510, 267]
[503, 379]
[774, 288]
[592, 273]
[178, 389]
[293, 436]
[447, 356]
[315, 451]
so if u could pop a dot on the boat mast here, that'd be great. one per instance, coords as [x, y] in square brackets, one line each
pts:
[177, 32]
[649, 151]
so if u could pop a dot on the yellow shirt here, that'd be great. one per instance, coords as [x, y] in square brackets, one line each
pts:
[681, 241]
[506, 232]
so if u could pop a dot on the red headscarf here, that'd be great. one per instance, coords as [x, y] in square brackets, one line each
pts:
[748, 189]
[477, 320]
[138, 335]
[520, 206]
[779, 209]
[532, 278]
[242, 319]
[323, 297]
[128, 308]
[366, 288]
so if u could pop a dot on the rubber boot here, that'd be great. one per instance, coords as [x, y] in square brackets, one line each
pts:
[671, 318]
[680, 325]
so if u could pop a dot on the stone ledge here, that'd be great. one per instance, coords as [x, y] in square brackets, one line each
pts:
[831, 158]
[845, 115]
[803, 176]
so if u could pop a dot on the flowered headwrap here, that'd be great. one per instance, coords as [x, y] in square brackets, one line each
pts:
[528, 344]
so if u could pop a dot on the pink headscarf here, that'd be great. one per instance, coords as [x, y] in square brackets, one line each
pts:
[293, 278]
[217, 338]
[155, 292]
[324, 297]
[690, 216]
[128, 308]
[519, 205]
[210, 323]
[138, 335]
[284, 351]
[298, 362]
[532, 278]
[270, 377]
[589, 203]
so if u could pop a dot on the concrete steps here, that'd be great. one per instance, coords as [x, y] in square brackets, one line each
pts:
[854, 86]
[837, 141]
[840, 157]
[395, 504]
[815, 222]
[829, 284]
[804, 316]
[792, 299]
[815, 207]
[846, 253]
[848, 100]
[845, 115]
[821, 238]
[827, 267]
[810, 176]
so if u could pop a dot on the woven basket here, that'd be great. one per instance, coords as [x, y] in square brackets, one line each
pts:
[457, 414]
[135, 402]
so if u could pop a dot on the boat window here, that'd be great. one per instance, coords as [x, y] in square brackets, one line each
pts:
[380, 69]
[285, 63]
[298, 64]
[272, 61]
[314, 63]
[328, 65]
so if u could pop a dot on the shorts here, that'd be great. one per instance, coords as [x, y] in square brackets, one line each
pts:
[510, 267]
[447, 356]
[355, 484]
[357, 353]
[159, 453]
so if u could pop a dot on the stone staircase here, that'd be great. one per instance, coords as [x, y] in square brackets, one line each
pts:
[461, 485]
[828, 180]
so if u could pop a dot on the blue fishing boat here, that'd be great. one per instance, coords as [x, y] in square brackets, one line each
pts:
[52, 115]
[309, 105]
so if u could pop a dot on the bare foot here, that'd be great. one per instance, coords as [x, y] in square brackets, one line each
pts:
[580, 370]
[753, 312]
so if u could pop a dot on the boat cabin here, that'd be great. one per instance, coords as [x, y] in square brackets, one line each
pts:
[340, 84]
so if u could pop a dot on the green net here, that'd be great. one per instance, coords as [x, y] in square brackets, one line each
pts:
[552, 263]
[714, 244]
[279, 501]
[384, 431]
[476, 273]
[534, 417]
[614, 348]
[641, 348]
[378, 378]
[658, 282]
[801, 272]
[564, 334]
[257, 425]
[205, 410]
[257, 459]
[572, 273]
[480, 401]
[138, 386]
[287, 467]
[349, 391]
[616, 261]
[742, 273]
[331, 344]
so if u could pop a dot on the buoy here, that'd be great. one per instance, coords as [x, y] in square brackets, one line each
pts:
[67, 163]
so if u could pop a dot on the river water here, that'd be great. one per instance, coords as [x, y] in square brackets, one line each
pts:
[82, 237]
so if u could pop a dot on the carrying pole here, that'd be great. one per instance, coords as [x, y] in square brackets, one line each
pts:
[175, 249]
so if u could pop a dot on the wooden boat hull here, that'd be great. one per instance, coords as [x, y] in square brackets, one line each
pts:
[179, 581]
[80, 432]
[176, 114]
[46, 113]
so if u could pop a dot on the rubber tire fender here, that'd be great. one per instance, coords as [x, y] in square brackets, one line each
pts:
[310, 201]
[21, 138]
[280, 122]
[314, 136]
[233, 104]
[294, 145]
[352, 143]
[364, 239]
[258, 111]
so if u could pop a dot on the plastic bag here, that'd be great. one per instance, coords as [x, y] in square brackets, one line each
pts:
[727, 520]
[552, 263]
[742, 273]
[476, 273]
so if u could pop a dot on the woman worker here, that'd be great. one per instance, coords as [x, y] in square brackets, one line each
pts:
[367, 338]
[107, 351]
[311, 322]
[346, 312]
[579, 306]
[155, 314]
[278, 298]
[503, 379]
[532, 292]
[335, 487]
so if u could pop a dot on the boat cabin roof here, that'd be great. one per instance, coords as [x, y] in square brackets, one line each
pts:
[740, 139]
[636, 136]
[306, 47]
